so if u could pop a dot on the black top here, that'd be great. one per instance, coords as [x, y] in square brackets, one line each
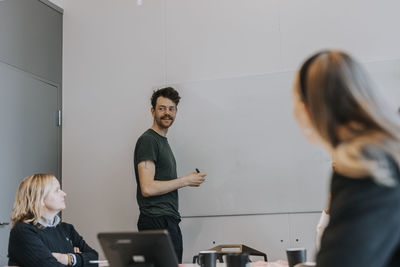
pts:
[152, 146]
[30, 246]
[364, 226]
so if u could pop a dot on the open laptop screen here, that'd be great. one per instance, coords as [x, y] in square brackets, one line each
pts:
[132, 248]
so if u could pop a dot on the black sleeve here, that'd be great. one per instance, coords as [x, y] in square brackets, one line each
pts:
[146, 148]
[364, 227]
[26, 248]
[87, 253]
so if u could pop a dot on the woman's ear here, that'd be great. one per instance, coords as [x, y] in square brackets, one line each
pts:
[310, 131]
[304, 120]
[303, 117]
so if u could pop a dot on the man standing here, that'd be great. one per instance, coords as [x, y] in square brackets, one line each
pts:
[155, 170]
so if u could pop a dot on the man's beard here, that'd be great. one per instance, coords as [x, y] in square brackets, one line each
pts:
[162, 124]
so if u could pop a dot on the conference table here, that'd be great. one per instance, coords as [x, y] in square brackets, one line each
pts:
[259, 263]
[254, 264]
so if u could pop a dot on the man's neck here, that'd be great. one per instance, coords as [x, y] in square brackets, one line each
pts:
[160, 131]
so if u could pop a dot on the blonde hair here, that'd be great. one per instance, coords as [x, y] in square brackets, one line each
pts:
[347, 112]
[30, 198]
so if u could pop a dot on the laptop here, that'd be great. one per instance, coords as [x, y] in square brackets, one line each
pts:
[145, 248]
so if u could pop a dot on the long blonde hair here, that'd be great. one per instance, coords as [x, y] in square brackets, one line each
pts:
[347, 112]
[30, 198]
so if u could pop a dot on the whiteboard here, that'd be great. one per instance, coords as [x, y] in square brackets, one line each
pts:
[242, 133]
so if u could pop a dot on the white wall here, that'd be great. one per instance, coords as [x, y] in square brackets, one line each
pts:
[116, 52]
[113, 56]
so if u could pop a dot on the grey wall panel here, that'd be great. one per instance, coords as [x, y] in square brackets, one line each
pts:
[30, 96]
[31, 38]
[257, 36]
[386, 75]
[57, 5]
[29, 137]
[302, 232]
[266, 233]
[244, 40]
[365, 30]
[271, 234]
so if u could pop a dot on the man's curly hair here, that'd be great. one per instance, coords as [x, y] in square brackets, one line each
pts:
[167, 92]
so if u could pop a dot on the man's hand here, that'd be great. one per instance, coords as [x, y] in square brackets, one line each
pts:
[61, 258]
[195, 179]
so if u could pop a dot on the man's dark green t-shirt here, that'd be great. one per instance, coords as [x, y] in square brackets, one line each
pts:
[152, 146]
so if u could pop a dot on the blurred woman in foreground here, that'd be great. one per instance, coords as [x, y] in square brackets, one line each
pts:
[337, 108]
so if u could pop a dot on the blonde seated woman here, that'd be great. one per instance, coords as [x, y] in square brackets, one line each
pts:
[38, 238]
